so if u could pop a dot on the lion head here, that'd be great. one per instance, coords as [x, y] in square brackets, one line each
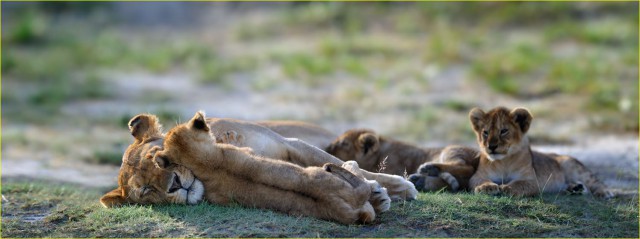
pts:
[359, 145]
[140, 181]
[500, 132]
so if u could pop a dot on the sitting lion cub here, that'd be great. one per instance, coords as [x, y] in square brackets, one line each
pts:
[509, 166]
[233, 174]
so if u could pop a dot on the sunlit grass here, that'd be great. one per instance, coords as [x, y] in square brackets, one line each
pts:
[74, 211]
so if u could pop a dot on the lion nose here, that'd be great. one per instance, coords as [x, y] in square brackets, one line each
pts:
[493, 147]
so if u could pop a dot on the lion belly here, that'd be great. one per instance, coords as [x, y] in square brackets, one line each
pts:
[550, 176]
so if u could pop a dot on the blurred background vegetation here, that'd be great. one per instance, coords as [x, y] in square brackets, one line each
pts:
[73, 73]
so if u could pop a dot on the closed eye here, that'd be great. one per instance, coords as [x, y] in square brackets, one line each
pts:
[145, 190]
[344, 143]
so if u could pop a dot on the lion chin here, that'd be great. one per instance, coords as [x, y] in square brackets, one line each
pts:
[495, 157]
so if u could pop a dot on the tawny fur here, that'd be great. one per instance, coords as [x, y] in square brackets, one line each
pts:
[270, 144]
[452, 169]
[509, 166]
[378, 153]
[307, 132]
[139, 180]
[233, 174]
[449, 167]
[263, 139]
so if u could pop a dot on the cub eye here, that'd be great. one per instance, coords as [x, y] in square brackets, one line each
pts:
[344, 143]
[504, 132]
[485, 133]
[146, 190]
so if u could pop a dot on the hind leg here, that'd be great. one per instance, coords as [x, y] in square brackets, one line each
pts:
[454, 167]
[576, 173]
[428, 183]
[397, 187]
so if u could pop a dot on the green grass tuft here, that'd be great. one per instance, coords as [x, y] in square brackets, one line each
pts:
[73, 211]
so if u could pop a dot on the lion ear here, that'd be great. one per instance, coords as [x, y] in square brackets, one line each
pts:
[199, 121]
[522, 117]
[144, 126]
[161, 161]
[368, 142]
[114, 198]
[475, 116]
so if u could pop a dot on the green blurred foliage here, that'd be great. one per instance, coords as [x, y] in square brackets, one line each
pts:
[373, 42]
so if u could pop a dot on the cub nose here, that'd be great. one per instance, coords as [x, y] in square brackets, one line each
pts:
[493, 147]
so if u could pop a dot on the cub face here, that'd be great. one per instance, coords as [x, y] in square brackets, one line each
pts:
[500, 132]
[192, 139]
[140, 181]
[356, 144]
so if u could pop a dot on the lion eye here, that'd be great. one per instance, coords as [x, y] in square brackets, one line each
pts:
[344, 143]
[485, 133]
[504, 132]
[146, 190]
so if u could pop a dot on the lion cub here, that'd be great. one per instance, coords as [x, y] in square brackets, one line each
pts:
[233, 174]
[509, 166]
[439, 167]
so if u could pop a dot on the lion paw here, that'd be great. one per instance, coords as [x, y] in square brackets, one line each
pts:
[402, 189]
[488, 188]
[429, 169]
[379, 197]
[604, 194]
[417, 180]
[575, 189]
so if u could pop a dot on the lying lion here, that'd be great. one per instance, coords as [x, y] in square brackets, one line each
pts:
[147, 133]
[379, 153]
[272, 144]
[509, 166]
[232, 174]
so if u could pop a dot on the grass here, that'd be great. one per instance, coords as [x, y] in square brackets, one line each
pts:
[64, 210]
[518, 51]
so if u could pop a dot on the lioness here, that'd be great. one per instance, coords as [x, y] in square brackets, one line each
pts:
[509, 166]
[270, 144]
[233, 174]
[374, 152]
[147, 133]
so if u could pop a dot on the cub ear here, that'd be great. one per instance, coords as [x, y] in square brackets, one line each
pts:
[522, 117]
[144, 126]
[199, 121]
[161, 161]
[475, 116]
[114, 198]
[368, 142]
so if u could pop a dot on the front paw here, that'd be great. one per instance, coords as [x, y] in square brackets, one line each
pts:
[402, 189]
[417, 180]
[429, 169]
[488, 188]
[576, 189]
[604, 194]
[379, 197]
[514, 191]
